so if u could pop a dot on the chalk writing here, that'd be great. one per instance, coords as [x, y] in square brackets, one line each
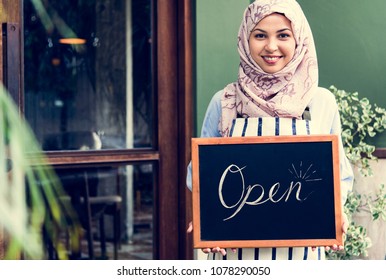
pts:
[273, 195]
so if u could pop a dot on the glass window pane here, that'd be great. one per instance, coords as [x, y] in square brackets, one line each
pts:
[134, 184]
[88, 73]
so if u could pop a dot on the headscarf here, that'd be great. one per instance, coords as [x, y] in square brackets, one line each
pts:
[285, 93]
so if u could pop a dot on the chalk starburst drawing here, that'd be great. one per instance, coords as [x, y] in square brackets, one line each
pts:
[308, 175]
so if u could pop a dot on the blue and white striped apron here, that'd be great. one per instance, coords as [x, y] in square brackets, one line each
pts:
[270, 127]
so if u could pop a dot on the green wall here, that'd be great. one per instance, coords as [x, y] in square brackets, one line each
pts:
[217, 24]
[350, 41]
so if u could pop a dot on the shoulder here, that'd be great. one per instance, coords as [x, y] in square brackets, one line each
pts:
[212, 116]
[217, 96]
[323, 97]
[215, 102]
[324, 110]
[325, 93]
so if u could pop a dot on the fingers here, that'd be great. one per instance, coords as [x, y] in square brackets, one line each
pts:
[222, 251]
[334, 247]
[206, 250]
[345, 223]
[214, 250]
[190, 227]
[345, 227]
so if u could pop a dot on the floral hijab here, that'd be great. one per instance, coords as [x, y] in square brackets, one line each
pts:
[283, 94]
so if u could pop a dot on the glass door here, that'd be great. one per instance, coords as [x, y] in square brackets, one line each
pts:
[100, 87]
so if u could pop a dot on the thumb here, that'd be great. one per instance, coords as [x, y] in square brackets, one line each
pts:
[190, 227]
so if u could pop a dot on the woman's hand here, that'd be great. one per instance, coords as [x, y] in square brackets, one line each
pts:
[345, 225]
[190, 227]
[222, 251]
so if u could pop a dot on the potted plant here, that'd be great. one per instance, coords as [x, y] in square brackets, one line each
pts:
[365, 207]
[31, 211]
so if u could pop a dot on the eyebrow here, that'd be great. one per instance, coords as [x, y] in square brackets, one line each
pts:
[279, 31]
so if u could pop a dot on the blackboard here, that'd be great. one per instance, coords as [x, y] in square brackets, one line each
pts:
[266, 191]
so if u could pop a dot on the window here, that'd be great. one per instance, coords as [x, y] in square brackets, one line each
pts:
[88, 73]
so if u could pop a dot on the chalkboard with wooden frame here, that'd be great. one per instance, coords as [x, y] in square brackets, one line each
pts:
[266, 191]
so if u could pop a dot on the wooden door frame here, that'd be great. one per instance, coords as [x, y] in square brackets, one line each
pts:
[174, 108]
[175, 59]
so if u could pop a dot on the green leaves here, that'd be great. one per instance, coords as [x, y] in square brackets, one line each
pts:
[356, 244]
[30, 194]
[377, 204]
[373, 203]
[360, 121]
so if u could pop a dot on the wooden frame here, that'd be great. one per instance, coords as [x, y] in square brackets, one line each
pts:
[318, 159]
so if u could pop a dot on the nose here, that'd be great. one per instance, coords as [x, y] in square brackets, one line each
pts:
[271, 45]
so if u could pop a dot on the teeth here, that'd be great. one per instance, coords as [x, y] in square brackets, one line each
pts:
[269, 58]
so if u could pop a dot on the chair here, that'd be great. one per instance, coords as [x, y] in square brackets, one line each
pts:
[81, 184]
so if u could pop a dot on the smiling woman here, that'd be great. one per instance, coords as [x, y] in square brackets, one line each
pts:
[277, 80]
[272, 43]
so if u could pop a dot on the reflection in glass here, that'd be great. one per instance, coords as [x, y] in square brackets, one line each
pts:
[134, 185]
[88, 72]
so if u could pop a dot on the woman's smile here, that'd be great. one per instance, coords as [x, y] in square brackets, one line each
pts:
[271, 59]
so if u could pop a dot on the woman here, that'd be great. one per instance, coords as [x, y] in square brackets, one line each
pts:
[278, 78]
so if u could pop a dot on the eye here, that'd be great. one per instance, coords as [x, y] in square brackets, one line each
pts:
[284, 35]
[259, 36]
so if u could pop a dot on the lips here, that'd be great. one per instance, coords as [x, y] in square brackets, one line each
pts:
[271, 59]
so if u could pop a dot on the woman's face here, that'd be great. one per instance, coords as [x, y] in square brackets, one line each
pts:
[272, 43]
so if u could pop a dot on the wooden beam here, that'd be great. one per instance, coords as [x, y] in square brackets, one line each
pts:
[186, 125]
[167, 91]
